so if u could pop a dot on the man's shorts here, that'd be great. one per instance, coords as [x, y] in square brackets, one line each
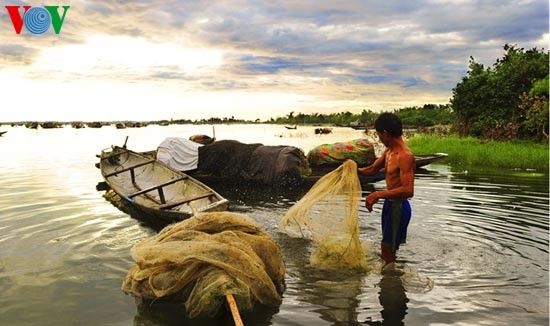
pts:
[396, 216]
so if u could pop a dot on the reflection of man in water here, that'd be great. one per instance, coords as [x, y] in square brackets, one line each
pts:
[399, 163]
[393, 300]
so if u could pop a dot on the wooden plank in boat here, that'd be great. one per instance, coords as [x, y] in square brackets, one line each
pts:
[128, 168]
[184, 201]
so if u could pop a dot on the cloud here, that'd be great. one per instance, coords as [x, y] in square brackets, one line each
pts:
[329, 54]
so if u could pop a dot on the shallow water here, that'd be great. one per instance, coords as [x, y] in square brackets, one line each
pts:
[480, 235]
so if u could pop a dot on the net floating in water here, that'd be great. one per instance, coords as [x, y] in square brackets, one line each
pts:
[200, 260]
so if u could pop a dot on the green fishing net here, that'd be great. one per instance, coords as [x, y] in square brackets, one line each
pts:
[202, 259]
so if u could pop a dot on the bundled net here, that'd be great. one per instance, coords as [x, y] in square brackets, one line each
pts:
[202, 259]
[359, 150]
[328, 214]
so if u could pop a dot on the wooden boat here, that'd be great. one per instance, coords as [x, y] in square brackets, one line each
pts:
[291, 127]
[154, 188]
[307, 181]
[2, 133]
[321, 131]
[420, 160]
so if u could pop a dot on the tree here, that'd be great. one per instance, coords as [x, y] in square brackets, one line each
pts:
[486, 101]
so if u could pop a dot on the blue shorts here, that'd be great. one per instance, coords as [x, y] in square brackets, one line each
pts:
[396, 216]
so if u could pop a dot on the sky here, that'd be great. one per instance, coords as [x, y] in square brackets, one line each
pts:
[154, 60]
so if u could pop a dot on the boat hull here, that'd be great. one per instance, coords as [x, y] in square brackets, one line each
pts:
[155, 189]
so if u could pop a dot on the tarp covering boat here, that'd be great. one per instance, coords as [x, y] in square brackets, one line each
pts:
[272, 165]
[179, 153]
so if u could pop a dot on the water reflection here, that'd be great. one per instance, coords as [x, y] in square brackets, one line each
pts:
[332, 295]
[149, 221]
[393, 300]
[172, 313]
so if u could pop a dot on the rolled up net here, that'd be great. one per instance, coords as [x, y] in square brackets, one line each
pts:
[328, 214]
[200, 260]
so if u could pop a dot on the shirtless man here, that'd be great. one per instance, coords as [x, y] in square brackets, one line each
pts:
[399, 163]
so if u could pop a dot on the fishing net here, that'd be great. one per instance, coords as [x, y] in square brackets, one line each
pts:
[202, 259]
[328, 214]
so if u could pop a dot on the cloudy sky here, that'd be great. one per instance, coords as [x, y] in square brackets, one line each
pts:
[149, 60]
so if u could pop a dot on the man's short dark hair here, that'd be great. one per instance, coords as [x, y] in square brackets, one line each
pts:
[390, 122]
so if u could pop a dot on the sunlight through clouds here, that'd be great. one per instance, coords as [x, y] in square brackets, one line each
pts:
[107, 54]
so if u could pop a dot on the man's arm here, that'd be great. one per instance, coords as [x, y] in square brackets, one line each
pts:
[374, 167]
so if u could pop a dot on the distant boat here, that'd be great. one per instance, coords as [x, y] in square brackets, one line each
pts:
[291, 128]
[51, 125]
[156, 189]
[357, 125]
[77, 125]
[95, 124]
[32, 125]
[2, 133]
[323, 131]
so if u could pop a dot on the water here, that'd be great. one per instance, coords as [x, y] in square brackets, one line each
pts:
[480, 235]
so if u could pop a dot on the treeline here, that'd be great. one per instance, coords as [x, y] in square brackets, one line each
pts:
[412, 117]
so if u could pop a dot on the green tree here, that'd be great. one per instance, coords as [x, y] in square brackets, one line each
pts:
[486, 101]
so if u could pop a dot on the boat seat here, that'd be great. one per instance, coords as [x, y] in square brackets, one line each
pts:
[128, 168]
[159, 187]
[184, 201]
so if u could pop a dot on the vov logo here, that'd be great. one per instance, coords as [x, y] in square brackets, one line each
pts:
[37, 20]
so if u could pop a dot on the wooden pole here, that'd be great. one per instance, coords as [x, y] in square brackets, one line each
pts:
[234, 309]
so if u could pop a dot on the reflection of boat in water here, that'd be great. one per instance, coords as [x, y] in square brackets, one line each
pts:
[154, 188]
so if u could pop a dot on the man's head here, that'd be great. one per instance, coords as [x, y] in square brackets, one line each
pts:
[390, 123]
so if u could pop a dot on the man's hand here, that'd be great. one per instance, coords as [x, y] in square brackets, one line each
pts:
[371, 200]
